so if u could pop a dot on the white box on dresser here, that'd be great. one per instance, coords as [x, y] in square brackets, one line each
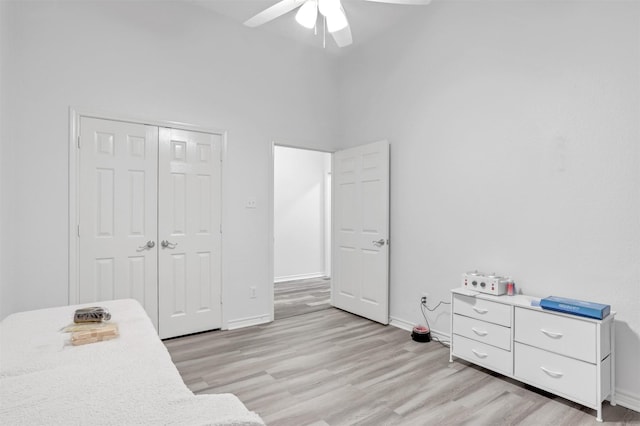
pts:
[568, 355]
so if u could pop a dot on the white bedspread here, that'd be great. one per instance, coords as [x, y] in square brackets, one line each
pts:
[129, 380]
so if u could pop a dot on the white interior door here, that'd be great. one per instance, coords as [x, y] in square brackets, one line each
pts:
[360, 281]
[117, 212]
[189, 232]
[149, 222]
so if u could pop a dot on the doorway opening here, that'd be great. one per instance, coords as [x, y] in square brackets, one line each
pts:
[302, 231]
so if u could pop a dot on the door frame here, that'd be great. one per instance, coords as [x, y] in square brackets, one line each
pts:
[270, 198]
[74, 172]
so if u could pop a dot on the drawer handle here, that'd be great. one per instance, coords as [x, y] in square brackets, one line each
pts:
[479, 332]
[551, 334]
[479, 354]
[552, 373]
[480, 310]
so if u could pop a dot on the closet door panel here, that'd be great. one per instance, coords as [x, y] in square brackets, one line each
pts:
[189, 230]
[118, 212]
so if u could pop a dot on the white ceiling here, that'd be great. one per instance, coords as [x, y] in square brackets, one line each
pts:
[366, 18]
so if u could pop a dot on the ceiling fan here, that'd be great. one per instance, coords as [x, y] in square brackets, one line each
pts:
[331, 13]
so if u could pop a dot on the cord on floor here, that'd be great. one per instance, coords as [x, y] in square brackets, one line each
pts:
[424, 305]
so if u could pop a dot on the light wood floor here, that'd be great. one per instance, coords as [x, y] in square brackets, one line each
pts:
[299, 297]
[333, 368]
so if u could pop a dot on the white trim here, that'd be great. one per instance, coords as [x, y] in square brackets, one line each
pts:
[81, 112]
[74, 163]
[223, 159]
[327, 220]
[445, 338]
[303, 148]
[628, 400]
[271, 236]
[248, 322]
[401, 324]
[408, 326]
[299, 277]
[332, 252]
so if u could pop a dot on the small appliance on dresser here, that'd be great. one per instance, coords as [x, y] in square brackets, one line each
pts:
[568, 355]
[486, 283]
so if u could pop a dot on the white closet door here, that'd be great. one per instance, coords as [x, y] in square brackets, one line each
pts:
[189, 231]
[360, 281]
[117, 212]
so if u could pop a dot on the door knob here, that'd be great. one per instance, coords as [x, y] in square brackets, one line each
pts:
[379, 243]
[150, 244]
[168, 244]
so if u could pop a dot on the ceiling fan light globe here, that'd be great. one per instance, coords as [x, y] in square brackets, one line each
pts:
[308, 14]
[336, 21]
[328, 7]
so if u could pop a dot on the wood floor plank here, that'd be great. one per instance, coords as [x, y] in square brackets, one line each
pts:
[329, 367]
[299, 297]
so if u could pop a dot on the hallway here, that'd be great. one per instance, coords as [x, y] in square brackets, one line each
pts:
[299, 297]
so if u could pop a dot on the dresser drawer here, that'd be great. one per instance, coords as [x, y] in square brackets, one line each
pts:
[482, 331]
[482, 354]
[566, 336]
[486, 310]
[556, 373]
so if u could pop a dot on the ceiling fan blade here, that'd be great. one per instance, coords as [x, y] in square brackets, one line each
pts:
[343, 37]
[275, 11]
[408, 2]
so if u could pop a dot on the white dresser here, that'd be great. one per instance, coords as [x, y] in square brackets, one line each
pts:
[567, 355]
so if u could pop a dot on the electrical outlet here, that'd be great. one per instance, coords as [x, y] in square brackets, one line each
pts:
[251, 203]
[252, 292]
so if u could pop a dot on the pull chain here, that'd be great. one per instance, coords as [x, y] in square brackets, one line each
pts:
[324, 32]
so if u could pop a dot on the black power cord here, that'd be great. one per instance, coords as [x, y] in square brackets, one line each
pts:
[424, 305]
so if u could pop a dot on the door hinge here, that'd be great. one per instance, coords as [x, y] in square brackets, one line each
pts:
[78, 141]
[78, 231]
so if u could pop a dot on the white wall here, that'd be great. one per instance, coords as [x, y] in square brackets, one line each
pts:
[515, 146]
[157, 60]
[299, 213]
[4, 36]
[514, 130]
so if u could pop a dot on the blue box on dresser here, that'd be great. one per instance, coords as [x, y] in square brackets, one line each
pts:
[575, 307]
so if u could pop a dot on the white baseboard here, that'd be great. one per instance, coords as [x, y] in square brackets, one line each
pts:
[299, 277]
[248, 322]
[400, 323]
[628, 400]
[408, 326]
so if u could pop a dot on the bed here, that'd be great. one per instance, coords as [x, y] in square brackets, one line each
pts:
[129, 380]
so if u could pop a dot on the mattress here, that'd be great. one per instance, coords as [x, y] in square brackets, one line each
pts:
[129, 380]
